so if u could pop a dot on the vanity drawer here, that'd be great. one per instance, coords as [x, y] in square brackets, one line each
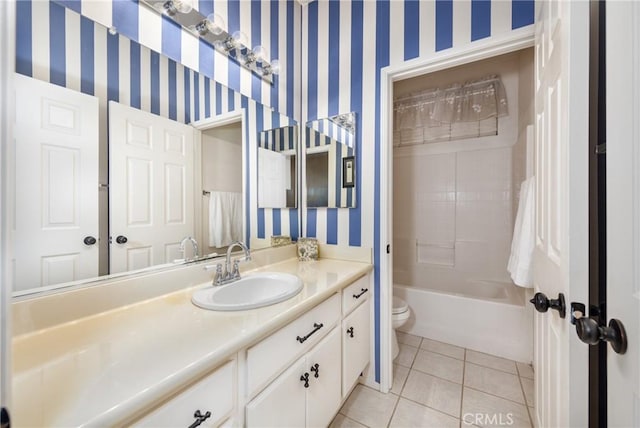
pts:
[266, 359]
[355, 294]
[216, 394]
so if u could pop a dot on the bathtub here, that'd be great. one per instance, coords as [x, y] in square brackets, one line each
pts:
[483, 315]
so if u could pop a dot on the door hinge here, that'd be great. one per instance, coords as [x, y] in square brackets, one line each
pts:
[601, 149]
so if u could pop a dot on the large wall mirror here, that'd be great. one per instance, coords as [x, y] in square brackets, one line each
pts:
[278, 167]
[106, 188]
[330, 162]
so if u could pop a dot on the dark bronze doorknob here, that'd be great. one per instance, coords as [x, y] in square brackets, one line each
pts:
[591, 333]
[89, 240]
[542, 303]
[121, 239]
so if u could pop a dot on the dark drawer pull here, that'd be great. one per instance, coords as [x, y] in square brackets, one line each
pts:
[362, 291]
[316, 327]
[350, 331]
[200, 418]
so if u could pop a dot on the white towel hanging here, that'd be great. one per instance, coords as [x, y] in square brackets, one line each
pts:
[523, 237]
[225, 218]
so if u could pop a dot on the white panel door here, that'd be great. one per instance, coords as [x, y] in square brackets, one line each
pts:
[560, 262]
[623, 208]
[56, 137]
[151, 188]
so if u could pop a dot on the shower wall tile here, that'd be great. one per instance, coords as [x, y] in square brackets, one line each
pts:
[484, 170]
[488, 221]
[486, 260]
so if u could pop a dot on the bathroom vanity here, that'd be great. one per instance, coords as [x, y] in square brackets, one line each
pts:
[165, 362]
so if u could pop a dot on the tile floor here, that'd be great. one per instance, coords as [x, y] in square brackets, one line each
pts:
[440, 385]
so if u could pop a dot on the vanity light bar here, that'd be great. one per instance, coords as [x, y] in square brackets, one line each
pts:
[210, 30]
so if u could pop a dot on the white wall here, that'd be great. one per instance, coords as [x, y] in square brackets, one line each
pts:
[221, 169]
[454, 201]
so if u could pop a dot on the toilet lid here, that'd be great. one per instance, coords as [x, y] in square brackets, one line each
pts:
[399, 305]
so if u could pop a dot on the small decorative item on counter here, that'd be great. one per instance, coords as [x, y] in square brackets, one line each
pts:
[280, 240]
[307, 249]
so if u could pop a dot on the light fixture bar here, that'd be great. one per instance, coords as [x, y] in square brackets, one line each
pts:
[230, 45]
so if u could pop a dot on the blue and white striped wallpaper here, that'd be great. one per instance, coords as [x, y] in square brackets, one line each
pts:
[274, 24]
[345, 44]
[278, 139]
[57, 45]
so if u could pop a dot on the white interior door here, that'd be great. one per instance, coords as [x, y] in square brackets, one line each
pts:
[56, 138]
[561, 252]
[151, 188]
[623, 208]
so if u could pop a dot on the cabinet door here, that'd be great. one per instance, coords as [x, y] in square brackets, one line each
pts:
[324, 393]
[282, 403]
[356, 339]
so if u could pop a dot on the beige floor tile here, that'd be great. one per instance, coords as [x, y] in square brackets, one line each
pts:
[409, 339]
[410, 414]
[400, 374]
[525, 370]
[406, 355]
[528, 388]
[434, 392]
[369, 407]
[341, 421]
[492, 361]
[494, 382]
[486, 410]
[439, 365]
[443, 348]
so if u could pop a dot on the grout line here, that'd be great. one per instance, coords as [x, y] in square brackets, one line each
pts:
[394, 410]
[429, 407]
[491, 368]
[464, 368]
[526, 403]
[497, 396]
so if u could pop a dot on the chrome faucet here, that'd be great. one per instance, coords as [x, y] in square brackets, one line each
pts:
[230, 273]
[194, 244]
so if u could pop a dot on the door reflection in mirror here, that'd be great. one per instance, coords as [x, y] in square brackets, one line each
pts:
[277, 167]
[330, 162]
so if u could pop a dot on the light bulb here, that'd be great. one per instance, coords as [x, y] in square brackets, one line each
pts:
[275, 66]
[183, 6]
[239, 38]
[260, 53]
[215, 23]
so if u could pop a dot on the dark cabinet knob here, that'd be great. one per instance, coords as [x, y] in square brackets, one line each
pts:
[89, 240]
[350, 331]
[305, 378]
[542, 304]
[315, 368]
[121, 239]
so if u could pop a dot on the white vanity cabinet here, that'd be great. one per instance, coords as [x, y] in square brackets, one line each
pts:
[307, 394]
[356, 331]
[214, 394]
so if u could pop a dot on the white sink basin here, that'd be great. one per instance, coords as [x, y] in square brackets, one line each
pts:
[250, 292]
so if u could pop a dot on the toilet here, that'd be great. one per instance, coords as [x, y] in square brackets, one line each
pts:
[399, 315]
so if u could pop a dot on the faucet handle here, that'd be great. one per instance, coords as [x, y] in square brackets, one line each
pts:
[236, 269]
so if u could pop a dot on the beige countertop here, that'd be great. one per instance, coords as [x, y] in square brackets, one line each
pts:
[103, 369]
